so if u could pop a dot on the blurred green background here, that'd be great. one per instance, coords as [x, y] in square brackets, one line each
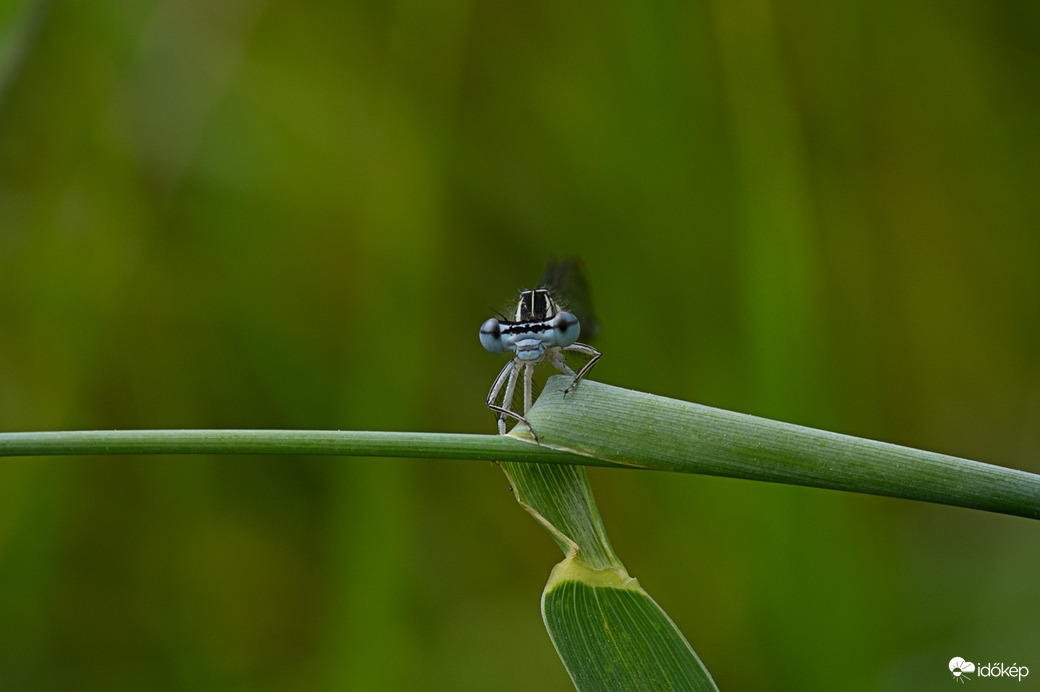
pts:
[251, 214]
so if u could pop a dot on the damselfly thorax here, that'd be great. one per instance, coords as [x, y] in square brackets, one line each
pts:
[540, 332]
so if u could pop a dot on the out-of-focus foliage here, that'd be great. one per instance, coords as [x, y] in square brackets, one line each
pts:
[297, 214]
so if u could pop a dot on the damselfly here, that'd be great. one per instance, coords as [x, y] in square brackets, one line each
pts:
[540, 331]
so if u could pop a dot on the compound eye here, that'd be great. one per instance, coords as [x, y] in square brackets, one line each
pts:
[491, 336]
[565, 329]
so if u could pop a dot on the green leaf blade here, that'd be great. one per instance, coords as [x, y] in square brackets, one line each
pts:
[561, 499]
[624, 427]
[611, 635]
